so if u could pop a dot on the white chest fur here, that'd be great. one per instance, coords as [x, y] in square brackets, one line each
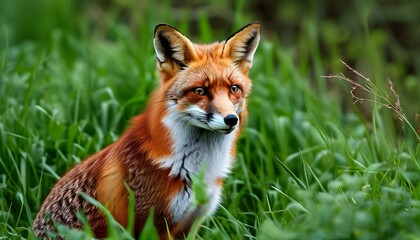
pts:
[193, 149]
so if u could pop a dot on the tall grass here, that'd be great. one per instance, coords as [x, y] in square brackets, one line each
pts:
[306, 167]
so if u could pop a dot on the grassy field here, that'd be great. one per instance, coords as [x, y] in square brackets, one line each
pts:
[309, 164]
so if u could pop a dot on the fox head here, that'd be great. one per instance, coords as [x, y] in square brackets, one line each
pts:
[206, 86]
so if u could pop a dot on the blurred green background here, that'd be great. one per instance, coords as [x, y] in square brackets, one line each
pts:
[311, 164]
[379, 38]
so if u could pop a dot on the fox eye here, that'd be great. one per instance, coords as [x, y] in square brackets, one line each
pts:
[199, 91]
[234, 88]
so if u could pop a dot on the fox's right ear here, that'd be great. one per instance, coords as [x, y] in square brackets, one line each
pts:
[241, 46]
[173, 50]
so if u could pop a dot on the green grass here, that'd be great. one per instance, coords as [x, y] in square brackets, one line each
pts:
[309, 166]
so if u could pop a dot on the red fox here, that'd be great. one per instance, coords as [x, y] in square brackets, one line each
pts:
[192, 119]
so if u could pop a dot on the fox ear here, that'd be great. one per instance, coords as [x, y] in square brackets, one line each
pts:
[173, 50]
[241, 45]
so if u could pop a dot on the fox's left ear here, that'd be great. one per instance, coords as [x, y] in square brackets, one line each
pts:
[241, 45]
[173, 50]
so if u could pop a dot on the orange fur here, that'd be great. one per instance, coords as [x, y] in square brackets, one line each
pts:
[111, 191]
[219, 182]
[139, 156]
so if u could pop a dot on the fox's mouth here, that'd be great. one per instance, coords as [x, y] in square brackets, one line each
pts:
[203, 123]
[226, 131]
[212, 122]
[222, 130]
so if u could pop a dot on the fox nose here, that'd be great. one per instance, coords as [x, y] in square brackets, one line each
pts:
[231, 120]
